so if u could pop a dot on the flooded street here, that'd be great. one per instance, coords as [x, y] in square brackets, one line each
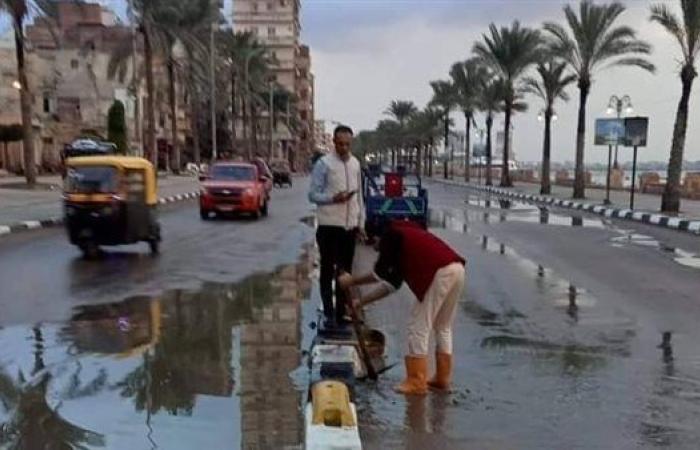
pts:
[575, 331]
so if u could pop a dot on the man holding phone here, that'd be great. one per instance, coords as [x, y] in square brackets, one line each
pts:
[336, 186]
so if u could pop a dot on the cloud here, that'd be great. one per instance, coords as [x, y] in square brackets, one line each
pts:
[365, 56]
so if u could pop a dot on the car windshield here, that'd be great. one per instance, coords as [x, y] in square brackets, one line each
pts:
[91, 180]
[235, 173]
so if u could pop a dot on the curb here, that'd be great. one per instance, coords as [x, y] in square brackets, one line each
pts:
[58, 221]
[673, 223]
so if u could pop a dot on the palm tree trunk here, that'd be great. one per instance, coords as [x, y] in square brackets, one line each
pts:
[505, 173]
[245, 128]
[489, 125]
[430, 156]
[671, 199]
[25, 105]
[579, 177]
[233, 109]
[151, 152]
[195, 130]
[172, 99]
[254, 127]
[467, 139]
[419, 160]
[545, 183]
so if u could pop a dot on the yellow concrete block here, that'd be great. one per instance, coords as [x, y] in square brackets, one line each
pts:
[331, 404]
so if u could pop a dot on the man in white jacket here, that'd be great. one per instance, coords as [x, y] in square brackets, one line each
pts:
[336, 189]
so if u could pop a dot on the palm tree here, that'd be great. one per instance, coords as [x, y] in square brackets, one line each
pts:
[686, 31]
[389, 136]
[509, 52]
[596, 43]
[550, 87]
[466, 77]
[444, 98]
[491, 100]
[401, 111]
[19, 11]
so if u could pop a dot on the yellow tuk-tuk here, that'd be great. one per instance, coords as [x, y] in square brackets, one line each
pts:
[110, 200]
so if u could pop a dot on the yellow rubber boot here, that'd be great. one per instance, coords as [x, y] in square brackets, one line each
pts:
[416, 376]
[443, 371]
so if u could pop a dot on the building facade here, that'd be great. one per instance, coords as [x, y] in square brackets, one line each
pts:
[277, 25]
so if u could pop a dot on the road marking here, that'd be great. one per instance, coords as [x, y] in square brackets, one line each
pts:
[32, 224]
[598, 209]
[694, 226]
[638, 215]
[609, 212]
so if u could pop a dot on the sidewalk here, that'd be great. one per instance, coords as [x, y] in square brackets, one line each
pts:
[646, 205]
[24, 209]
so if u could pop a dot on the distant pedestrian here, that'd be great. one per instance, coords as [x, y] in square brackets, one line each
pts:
[435, 273]
[336, 190]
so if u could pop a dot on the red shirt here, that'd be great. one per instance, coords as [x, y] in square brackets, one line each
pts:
[409, 253]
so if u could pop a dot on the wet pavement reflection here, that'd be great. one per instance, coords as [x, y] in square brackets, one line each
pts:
[186, 369]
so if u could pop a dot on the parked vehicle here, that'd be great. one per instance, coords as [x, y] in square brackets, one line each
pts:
[231, 187]
[281, 173]
[110, 200]
[394, 195]
[265, 173]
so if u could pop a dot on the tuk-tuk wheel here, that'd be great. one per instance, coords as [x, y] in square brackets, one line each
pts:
[154, 245]
[265, 209]
[90, 250]
[204, 215]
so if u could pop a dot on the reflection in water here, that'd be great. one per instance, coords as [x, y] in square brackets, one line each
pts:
[577, 221]
[544, 216]
[164, 355]
[33, 424]
[572, 310]
[667, 348]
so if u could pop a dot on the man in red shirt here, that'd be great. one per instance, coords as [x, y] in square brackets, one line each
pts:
[435, 273]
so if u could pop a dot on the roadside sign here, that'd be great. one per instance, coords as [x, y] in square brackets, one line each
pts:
[609, 131]
[636, 129]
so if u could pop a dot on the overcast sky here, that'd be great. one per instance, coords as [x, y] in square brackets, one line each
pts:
[369, 52]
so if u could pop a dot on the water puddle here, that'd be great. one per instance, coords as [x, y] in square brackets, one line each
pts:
[680, 256]
[499, 211]
[185, 369]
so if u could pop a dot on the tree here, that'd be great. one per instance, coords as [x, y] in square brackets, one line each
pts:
[116, 127]
[550, 87]
[595, 43]
[491, 100]
[466, 77]
[19, 11]
[444, 98]
[509, 52]
[686, 31]
[401, 111]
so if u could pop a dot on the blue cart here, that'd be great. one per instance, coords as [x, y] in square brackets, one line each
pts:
[393, 195]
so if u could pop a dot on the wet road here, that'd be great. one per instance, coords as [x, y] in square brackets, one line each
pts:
[192, 348]
[573, 333]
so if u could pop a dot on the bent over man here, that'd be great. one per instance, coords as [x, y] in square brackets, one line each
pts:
[435, 274]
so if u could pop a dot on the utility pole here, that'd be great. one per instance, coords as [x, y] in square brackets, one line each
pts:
[134, 84]
[212, 83]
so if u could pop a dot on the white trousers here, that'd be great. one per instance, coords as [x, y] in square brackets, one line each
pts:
[436, 312]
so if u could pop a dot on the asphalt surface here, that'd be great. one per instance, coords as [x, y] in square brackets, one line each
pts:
[573, 332]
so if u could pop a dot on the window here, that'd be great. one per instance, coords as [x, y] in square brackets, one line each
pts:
[255, 7]
[271, 31]
[270, 6]
[283, 3]
[134, 181]
[47, 104]
[73, 63]
[254, 30]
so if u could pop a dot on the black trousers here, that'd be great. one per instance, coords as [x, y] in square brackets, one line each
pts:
[337, 248]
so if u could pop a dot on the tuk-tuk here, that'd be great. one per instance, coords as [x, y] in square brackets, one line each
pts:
[110, 200]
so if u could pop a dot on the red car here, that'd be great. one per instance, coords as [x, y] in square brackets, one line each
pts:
[232, 187]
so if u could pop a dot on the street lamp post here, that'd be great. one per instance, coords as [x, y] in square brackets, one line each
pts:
[616, 105]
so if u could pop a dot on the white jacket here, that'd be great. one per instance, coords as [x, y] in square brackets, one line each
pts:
[331, 175]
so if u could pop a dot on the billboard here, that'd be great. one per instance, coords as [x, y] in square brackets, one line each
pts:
[636, 129]
[609, 131]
